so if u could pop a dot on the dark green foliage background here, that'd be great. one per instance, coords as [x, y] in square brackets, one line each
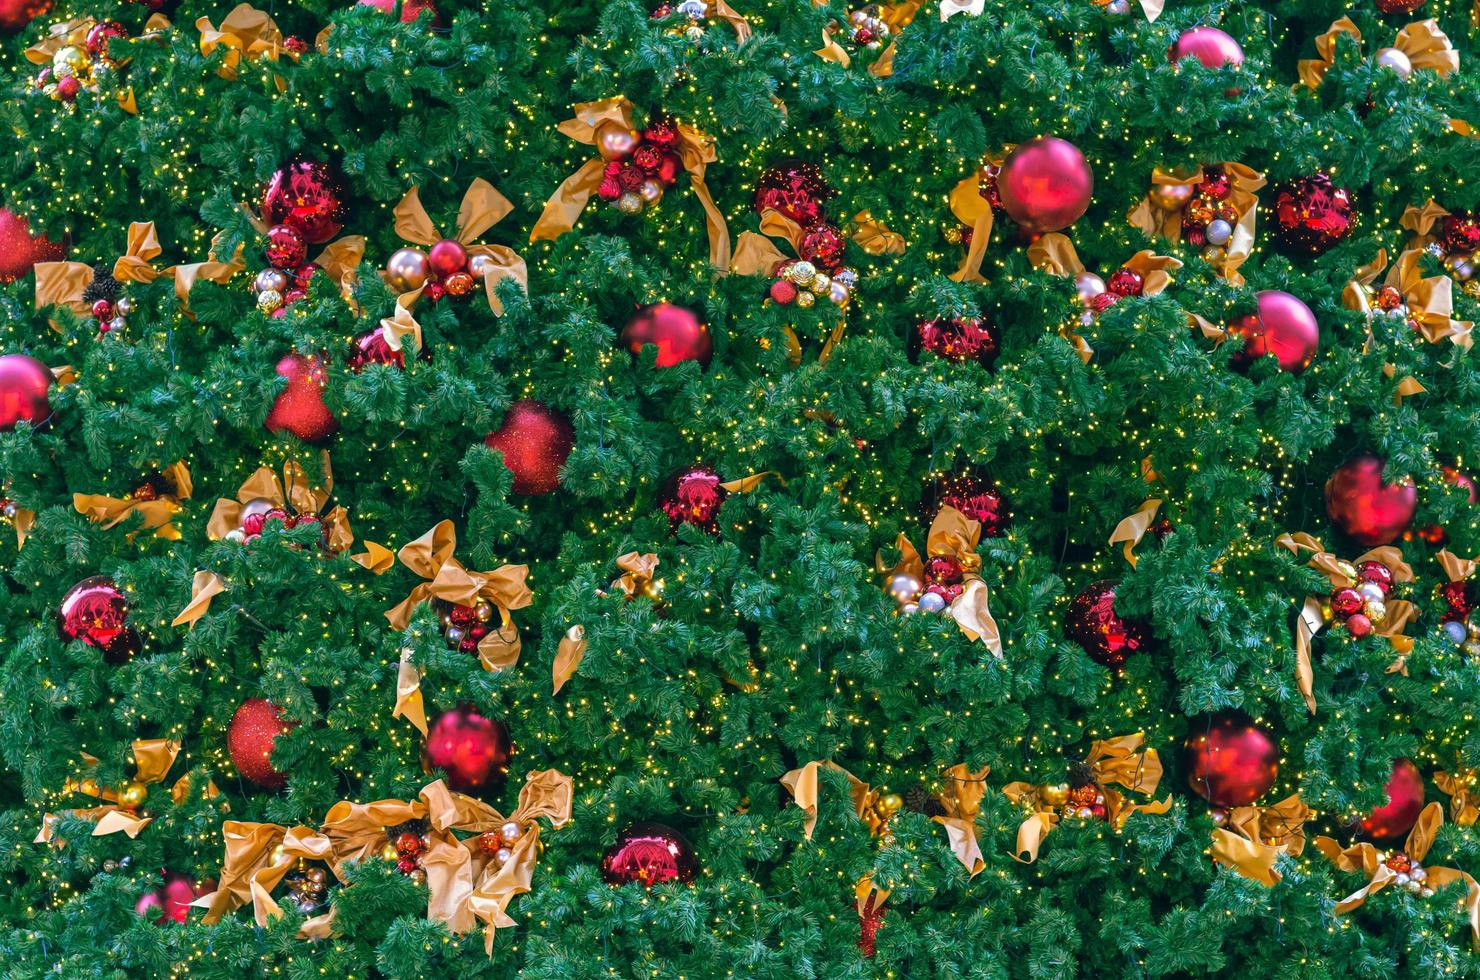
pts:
[649, 728]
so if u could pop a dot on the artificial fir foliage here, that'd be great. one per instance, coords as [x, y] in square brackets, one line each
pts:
[664, 651]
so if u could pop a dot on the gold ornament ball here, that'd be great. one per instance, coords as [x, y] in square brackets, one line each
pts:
[651, 190]
[1396, 60]
[1212, 253]
[1376, 611]
[838, 293]
[615, 141]
[315, 875]
[1348, 569]
[805, 299]
[484, 611]
[1055, 795]
[1170, 197]
[71, 57]
[629, 203]
[269, 300]
[952, 235]
[132, 794]
[820, 283]
[388, 853]
[481, 265]
[801, 273]
[891, 803]
[419, 876]
[407, 269]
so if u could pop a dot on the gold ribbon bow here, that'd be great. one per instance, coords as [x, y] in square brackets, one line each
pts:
[401, 331]
[258, 856]
[293, 494]
[153, 758]
[1133, 527]
[802, 785]
[1425, 45]
[962, 800]
[204, 587]
[1158, 222]
[63, 283]
[339, 260]
[1364, 858]
[1310, 621]
[482, 207]
[1429, 301]
[719, 10]
[211, 270]
[975, 211]
[952, 533]
[1421, 221]
[695, 150]
[1459, 786]
[157, 513]
[568, 656]
[1055, 254]
[247, 34]
[1255, 836]
[73, 33]
[1112, 762]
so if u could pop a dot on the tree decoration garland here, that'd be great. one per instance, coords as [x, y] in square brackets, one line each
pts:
[1143, 274]
[1213, 208]
[1420, 45]
[1451, 237]
[947, 580]
[259, 857]
[289, 271]
[121, 810]
[264, 499]
[98, 291]
[1251, 839]
[156, 499]
[815, 274]
[457, 263]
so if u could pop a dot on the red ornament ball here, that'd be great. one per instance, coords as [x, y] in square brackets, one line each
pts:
[95, 612]
[1045, 184]
[783, 291]
[1377, 573]
[794, 189]
[19, 249]
[307, 196]
[649, 854]
[16, 14]
[101, 33]
[25, 387]
[1311, 214]
[535, 440]
[285, 248]
[822, 245]
[1284, 327]
[678, 333]
[299, 408]
[943, 570]
[1126, 282]
[172, 900]
[967, 338]
[1459, 233]
[1346, 602]
[1107, 637]
[410, 9]
[1391, 822]
[693, 496]
[473, 750]
[250, 737]
[1208, 45]
[371, 348]
[1358, 625]
[1398, 6]
[1367, 510]
[1231, 760]
[977, 498]
[67, 88]
[447, 257]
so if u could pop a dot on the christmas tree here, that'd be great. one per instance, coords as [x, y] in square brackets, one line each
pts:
[977, 487]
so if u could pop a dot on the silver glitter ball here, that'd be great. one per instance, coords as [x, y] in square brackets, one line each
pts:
[1219, 232]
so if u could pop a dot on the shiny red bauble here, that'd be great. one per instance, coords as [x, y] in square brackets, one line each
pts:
[447, 257]
[307, 196]
[1459, 233]
[16, 14]
[961, 338]
[95, 612]
[101, 33]
[285, 248]
[1045, 184]
[1231, 760]
[473, 750]
[976, 497]
[410, 9]
[1208, 45]
[1398, 6]
[25, 388]
[822, 245]
[1126, 282]
[535, 440]
[250, 737]
[1390, 823]
[1366, 509]
[299, 408]
[19, 249]
[678, 333]
[693, 496]
[1310, 215]
[371, 348]
[1284, 327]
[649, 854]
[1107, 637]
[171, 901]
[794, 189]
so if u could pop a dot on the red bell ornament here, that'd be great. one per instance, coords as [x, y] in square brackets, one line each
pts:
[649, 854]
[1391, 822]
[95, 612]
[1366, 509]
[25, 390]
[536, 441]
[299, 408]
[1231, 760]
[678, 333]
[1284, 327]
[250, 738]
[1045, 184]
[473, 750]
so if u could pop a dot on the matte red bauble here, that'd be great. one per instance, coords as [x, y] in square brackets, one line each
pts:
[410, 9]
[307, 196]
[1398, 6]
[250, 737]
[447, 257]
[1208, 45]
[535, 440]
[19, 249]
[649, 854]
[677, 332]
[1106, 636]
[1367, 510]
[473, 750]
[25, 386]
[963, 338]
[977, 498]
[299, 408]
[1230, 759]
[1045, 184]
[1311, 214]
[1284, 327]
[1391, 822]
[794, 189]
[693, 496]
[172, 900]
[95, 612]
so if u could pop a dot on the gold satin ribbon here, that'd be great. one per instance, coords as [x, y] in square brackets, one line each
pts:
[1255, 837]
[962, 799]
[1421, 222]
[211, 270]
[1459, 786]
[974, 211]
[482, 207]
[1244, 183]
[249, 873]
[1422, 41]
[568, 656]
[1055, 254]
[157, 513]
[873, 237]
[637, 571]
[695, 150]
[400, 330]
[153, 758]
[802, 785]
[719, 10]
[293, 494]
[63, 283]
[1430, 301]
[1133, 527]
[952, 533]
[23, 520]
[204, 587]
[247, 34]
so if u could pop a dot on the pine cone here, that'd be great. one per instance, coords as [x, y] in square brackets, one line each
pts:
[103, 286]
[1080, 774]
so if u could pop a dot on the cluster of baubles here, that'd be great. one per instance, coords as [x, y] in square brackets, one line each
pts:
[1119, 8]
[1105, 635]
[1456, 245]
[464, 625]
[1079, 797]
[797, 191]
[1284, 327]
[445, 269]
[1361, 603]
[692, 14]
[976, 497]
[1208, 219]
[95, 612]
[473, 750]
[1459, 603]
[25, 391]
[1230, 759]
[405, 844]
[802, 283]
[258, 513]
[640, 166]
[960, 338]
[649, 854]
[307, 884]
[693, 496]
[105, 301]
[942, 583]
[1311, 215]
[250, 739]
[1097, 295]
[80, 68]
[1408, 874]
[497, 845]
[867, 28]
[1366, 509]
[303, 205]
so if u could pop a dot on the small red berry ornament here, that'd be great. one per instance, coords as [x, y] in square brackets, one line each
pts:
[1045, 184]
[976, 497]
[1365, 508]
[19, 249]
[250, 738]
[536, 441]
[966, 338]
[678, 333]
[299, 408]
[25, 390]
[693, 496]
[1284, 327]
[1311, 215]
[1390, 823]
[95, 612]
[1107, 637]
[473, 750]
[1231, 760]
[307, 196]
[649, 854]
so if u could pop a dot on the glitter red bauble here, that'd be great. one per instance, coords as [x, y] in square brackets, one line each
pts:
[1231, 760]
[371, 348]
[1459, 233]
[977, 498]
[794, 189]
[299, 408]
[447, 257]
[1377, 573]
[677, 332]
[1107, 637]
[250, 737]
[25, 387]
[410, 9]
[172, 900]
[1284, 327]
[649, 854]
[967, 338]
[307, 196]
[19, 249]
[1398, 6]
[285, 248]
[1367, 510]
[1390, 823]
[693, 496]
[822, 245]
[1208, 45]
[1126, 282]
[95, 612]
[1310, 215]
[473, 750]
[535, 440]
[1045, 184]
